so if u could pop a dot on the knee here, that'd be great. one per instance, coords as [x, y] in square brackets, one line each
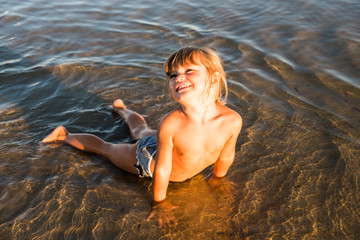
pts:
[144, 132]
[140, 131]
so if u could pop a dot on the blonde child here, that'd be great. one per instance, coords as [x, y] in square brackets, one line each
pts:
[200, 132]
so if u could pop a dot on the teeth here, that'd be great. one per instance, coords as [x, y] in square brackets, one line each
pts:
[182, 87]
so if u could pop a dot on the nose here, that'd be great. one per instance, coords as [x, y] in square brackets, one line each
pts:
[180, 77]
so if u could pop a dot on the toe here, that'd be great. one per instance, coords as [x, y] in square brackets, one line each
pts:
[118, 103]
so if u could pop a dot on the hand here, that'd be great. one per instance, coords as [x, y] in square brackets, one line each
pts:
[222, 185]
[163, 212]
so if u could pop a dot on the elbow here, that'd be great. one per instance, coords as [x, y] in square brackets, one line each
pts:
[219, 174]
[221, 168]
[162, 173]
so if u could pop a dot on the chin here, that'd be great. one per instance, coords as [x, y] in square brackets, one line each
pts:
[178, 97]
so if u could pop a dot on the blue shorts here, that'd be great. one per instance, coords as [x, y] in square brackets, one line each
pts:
[144, 154]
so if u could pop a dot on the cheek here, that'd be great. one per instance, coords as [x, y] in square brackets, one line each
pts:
[172, 90]
[171, 86]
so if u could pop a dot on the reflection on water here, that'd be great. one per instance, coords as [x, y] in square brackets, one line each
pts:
[293, 75]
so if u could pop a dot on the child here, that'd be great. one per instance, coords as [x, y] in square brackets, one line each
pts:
[200, 132]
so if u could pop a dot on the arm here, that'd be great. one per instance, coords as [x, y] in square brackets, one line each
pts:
[217, 180]
[162, 210]
[227, 154]
[163, 164]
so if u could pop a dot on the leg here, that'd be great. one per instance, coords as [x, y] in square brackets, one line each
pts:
[121, 155]
[137, 124]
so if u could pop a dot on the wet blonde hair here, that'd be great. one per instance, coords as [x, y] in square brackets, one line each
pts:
[200, 56]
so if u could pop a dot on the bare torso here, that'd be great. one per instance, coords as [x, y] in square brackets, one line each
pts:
[195, 143]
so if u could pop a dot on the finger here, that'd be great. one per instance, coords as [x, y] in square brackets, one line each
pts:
[230, 189]
[168, 222]
[234, 185]
[174, 207]
[160, 222]
[225, 190]
[150, 216]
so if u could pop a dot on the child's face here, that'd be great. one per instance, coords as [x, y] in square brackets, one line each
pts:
[188, 82]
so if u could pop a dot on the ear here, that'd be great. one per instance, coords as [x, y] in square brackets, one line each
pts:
[215, 78]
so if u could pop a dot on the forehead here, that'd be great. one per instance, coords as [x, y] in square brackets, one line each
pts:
[193, 66]
[184, 60]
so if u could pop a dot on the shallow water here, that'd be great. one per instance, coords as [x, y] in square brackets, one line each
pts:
[293, 73]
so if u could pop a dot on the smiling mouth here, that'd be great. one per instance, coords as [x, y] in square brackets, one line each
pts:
[181, 87]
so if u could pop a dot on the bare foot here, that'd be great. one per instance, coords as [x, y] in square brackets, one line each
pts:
[118, 103]
[59, 134]
[118, 106]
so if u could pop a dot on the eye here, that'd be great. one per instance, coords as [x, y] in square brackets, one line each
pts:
[173, 75]
[189, 71]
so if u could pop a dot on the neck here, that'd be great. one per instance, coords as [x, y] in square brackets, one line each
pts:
[199, 113]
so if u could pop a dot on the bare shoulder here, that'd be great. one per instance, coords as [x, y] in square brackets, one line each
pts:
[169, 121]
[231, 117]
[171, 117]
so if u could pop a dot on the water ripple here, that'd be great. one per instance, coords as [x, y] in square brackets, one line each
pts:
[293, 73]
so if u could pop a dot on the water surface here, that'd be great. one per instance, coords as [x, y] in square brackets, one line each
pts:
[293, 74]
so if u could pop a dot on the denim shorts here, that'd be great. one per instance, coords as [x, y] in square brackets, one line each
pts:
[144, 154]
